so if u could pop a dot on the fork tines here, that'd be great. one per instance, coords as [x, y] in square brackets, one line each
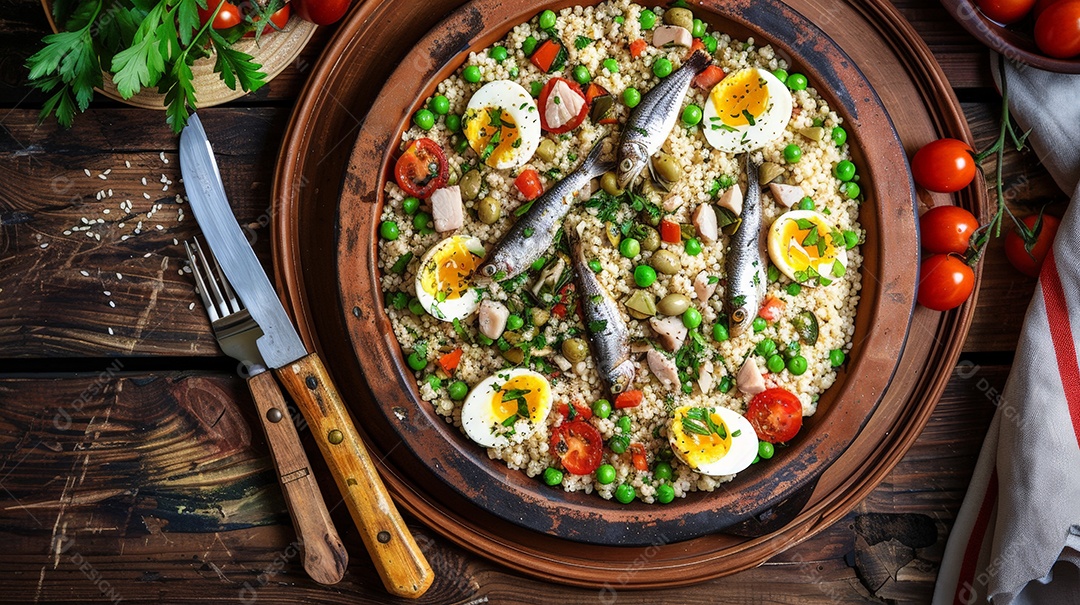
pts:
[214, 288]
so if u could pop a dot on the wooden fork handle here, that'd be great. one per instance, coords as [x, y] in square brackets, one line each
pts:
[323, 554]
[400, 563]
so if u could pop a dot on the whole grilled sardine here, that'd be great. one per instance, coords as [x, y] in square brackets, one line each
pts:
[744, 260]
[532, 234]
[651, 121]
[608, 334]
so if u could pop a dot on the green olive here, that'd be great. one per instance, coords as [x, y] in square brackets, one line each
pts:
[769, 171]
[613, 234]
[540, 316]
[546, 150]
[666, 167]
[682, 17]
[470, 185]
[673, 304]
[610, 183]
[514, 356]
[488, 210]
[650, 239]
[641, 305]
[666, 262]
[575, 349]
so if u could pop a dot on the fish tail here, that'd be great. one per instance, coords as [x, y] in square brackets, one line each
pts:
[698, 61]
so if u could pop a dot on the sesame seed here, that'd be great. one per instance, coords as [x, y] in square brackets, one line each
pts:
[146, 195]
[107, 171]
[67, 231]
[110, 331]
[106, 293]
[163, 158]
[106, 211]
[45, 245]
[144, 181]
[123, 238]
[191, 306]
[175, 242]
[87, 171]
[85, 273]
[159, 227]
[103, 177]
[165, 188]
[119, 276]
[147, 255]
[112, 304]
[110, 193]
[127, 164]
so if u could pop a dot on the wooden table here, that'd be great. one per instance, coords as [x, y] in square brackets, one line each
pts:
[129, 467]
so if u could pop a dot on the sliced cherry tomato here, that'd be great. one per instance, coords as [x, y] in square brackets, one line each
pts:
[578, 445]
[422, 168]
[775, 414]
[321, 12]
[944, 165]
[572, 123]
[771, 308]
[945, 282]
[695, 46]
[449, 362]
[670, 232]
[529, 184]
[637, 47]
[1005, 11]
[549, 56]
[629, 399]
[1057, 30]
[1030, 262]
[581, 411]
[637, 455]
[709, 77]
[279, 19]
[228, 16]
[947, 229]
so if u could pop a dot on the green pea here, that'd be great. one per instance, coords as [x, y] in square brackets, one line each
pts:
[535, 88]
[647, 19]
[710, 44]
[581, 74]
[665, 494]
[765, 450]
[552, 476]
[547, 19]
[618, 444]
[624, 423]
[793, 349]
[781, 74]
[629, 247]
[611, 65]
[439, 104]
[399, 300]
[631, 97]
[775, 364]
[435, 382]
[601, 408]
[692, 246]
[691, 115]
[797, 365]
[619, 19]
[605, 474]
[529, 45]
[772, 274]
[851, 239]
[766, 348]
[471, 74]
[844, 170]
[453, 122]
[498, 53]
[850, 189]
[796, 82]
[644, 276]
[839, 135]
[807, 203]
[662, 67]
[410, 205]
[758, 325]
[416, 362]
[793, 289]
[699, 28]
[662, 471]
[458, 390]
[691, 318]
[389, 230]
[422, 220]
[596, 266]
[720, 332]
[836, 358]
[792, 153]
[513, 72]
[415, 307]
[624, 493]
[538, 264]
[514, 322]
[424, 119]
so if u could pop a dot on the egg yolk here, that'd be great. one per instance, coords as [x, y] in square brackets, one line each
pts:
[699, 449]
[492, 134]
[740, 98]
[806, 247]
[446, 275]
[507, 400]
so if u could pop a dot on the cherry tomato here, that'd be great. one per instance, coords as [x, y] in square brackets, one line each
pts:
[422, 168]
[529, 184]
[638, 457]
[944, 165]
[578, 445]
[771, 308]
[575, 121]
[945, 282]
[279, 19]
[1040, 6]
[1057, 31]
[947, 229]
[775, 414]
[321, 12]
[1031, 263]
[581, 411]
[670, 232]
[1005, 11]
[228, 16]
[629, 399]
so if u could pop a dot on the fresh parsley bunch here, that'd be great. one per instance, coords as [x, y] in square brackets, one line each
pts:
[142, 43]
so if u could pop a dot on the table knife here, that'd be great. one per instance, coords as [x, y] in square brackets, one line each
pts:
[401, 565]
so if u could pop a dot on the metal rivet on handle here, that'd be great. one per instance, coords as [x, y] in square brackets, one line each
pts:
[311, 383]
[335, 437]
[383, 537]
[274, 415]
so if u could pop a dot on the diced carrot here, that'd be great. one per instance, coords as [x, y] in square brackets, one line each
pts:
[771, 308]
[592, 91]
[637, 455]
[545, 55]
[450, 361]
[529, 184]
[708, 78]
[629, 399]
[670, 232]
[637, 47]
[695, 46]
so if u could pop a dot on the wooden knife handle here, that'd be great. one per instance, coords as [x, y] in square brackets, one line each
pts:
[323, 554]
[401, 565]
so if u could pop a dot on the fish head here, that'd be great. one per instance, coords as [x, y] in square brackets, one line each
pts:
[739, 320]
[489, 272]
[621, 377]
[632, 159]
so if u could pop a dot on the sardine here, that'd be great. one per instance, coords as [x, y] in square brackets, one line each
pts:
[532, 235]
[608, 334]
[651, 121]
[744, 260]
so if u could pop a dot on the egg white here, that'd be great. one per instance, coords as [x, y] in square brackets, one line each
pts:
[479, 421]
[450, 308]
[767, 127]
[514, 100]
[744, 444]
[779, 246]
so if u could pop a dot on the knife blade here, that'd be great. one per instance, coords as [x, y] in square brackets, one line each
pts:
[401, 565]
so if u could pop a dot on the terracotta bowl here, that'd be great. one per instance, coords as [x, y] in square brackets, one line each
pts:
[883, 316]
[1014, 41]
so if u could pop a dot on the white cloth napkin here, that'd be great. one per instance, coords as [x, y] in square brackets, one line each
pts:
[1017, 537]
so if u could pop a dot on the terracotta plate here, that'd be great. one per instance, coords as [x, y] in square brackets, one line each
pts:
[881, 323]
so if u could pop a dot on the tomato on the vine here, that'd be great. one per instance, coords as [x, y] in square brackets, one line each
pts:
[775, 414]
[422, 168]
[278, 19]
[228, 16]
[945, 282]
[947, 229]
[1005, 11]
[1057, 30]
[1030, 262]
[321, 12]
[944, 165]
[578, 445]
[1040, 6]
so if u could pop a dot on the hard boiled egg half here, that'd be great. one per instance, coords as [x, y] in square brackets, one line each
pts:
[502, 124]
[713, 441]
[805, 247]
[506, 408]
[442, 283]
[746, 110]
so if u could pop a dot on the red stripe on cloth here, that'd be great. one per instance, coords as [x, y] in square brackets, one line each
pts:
[1057, 312]
[975, 541]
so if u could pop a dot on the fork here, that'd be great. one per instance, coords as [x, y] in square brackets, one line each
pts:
[323, 555]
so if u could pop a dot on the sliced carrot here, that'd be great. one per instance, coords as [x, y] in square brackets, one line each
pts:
[637, 47]
[449, 362]
[670, 232]
[708, 78]
[629, 399]
[637, 455]
[592, 91]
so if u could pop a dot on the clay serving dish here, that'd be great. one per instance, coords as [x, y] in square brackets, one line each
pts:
[1016, 41]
